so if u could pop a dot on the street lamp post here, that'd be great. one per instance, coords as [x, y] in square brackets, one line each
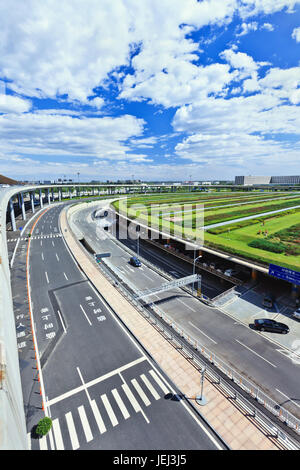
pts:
[194, 269]
[200, 399]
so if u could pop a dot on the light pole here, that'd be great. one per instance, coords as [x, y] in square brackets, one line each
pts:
[200, 399]
[138, 239]
[194, 269]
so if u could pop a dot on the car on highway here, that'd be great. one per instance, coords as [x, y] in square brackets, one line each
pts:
[134, 261]
[268, 301]
[230, 272]
[266, 324]
[296, 314]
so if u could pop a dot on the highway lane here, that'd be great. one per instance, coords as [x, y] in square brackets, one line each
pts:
[101, 389]
[245, 350]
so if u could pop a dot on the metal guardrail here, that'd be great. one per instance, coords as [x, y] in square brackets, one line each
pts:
[192, 348]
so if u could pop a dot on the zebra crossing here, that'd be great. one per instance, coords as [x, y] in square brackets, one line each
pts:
[107, 412]
[36, 237]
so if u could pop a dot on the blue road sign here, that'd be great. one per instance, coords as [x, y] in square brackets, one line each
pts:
[284, 273]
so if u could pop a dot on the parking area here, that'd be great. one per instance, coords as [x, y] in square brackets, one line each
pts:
[248, 307]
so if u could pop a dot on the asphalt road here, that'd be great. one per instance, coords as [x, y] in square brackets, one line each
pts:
[102, 391]
[247, 351]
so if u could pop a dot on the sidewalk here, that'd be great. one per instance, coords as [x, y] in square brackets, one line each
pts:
[239, 431]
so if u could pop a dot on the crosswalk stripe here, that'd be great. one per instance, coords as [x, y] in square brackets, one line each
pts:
[149, 386]
[98, 417]
[109, 410]
[85, 423]
[29, 440]
[43, 443]
[131, 398]
[57, 435]
[120, 403]
[159, 382]
[140, 392]
[72, 430]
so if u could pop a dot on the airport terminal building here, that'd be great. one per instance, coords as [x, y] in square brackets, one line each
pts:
[252, 180]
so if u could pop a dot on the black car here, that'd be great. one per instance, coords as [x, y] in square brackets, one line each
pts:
[134, 261]
[265, 324]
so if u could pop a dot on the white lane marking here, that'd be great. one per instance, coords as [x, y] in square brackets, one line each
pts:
[288, 397]
[181, 301]
[41, 242]
[57, 257]
[256, 353]
[109, 410]
[133, 401]
[47, 276]
[120, 403]
[42, 256]
[43, 443]
[57, 435]
[72, 430]
[98, 417]
[85, 314]
[85, 386]
[140, 391]
[52, 242]
[149, 386]
[63, 325]
[159, 382]
[29, 440]
[85, 424]
[194, 326]
[152, 280]
[66, 276]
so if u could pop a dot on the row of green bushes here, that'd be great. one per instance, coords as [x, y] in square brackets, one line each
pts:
[245, 223]
[264, 244]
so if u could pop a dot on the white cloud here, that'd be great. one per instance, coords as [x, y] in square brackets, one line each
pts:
[62, 135]
[247, 27]
[13, 104]
[268, 26]
[296, 34]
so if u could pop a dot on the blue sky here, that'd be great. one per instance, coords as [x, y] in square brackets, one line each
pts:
[151, 89]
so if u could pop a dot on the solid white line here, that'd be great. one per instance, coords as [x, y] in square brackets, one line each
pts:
[202, 332]
[46, 276]
[29, 440]
[109, 410]
[256, 353]
[63, 325]
[149, 386]
[181, 301]
[140, 392]
[120, 403]
[85, 315]
[288, 397]
[85, 424]
[57, 435]
[72, 430]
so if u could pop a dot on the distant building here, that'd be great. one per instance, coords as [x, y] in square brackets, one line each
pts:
[252, 180]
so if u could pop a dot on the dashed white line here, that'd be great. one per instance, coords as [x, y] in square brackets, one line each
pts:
[47, 276]
[194, 326]
[255, 353]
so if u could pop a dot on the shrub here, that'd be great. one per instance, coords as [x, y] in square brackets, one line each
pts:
[268, 246]
[44, 426]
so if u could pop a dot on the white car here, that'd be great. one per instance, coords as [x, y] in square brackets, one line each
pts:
[296, 314]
